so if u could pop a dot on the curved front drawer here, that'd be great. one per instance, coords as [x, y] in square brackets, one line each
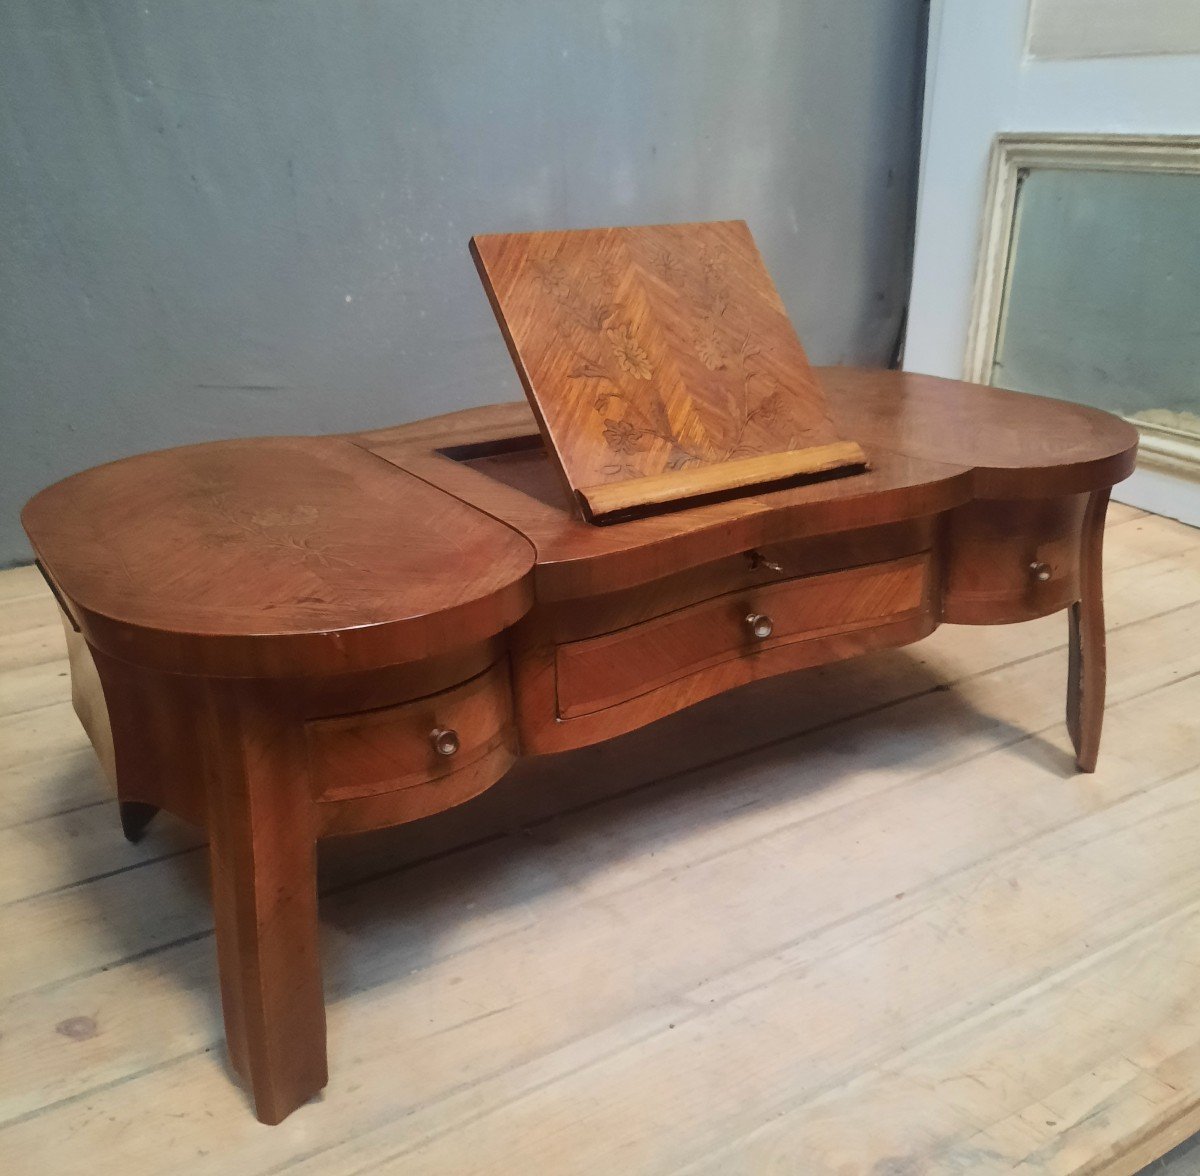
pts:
[604, 671]
[1012, 560]
[396, 747]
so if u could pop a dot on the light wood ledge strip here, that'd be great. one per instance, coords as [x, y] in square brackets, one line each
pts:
[613, 497]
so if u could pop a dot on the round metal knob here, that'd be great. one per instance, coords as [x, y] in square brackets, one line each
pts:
[760, 625]
[444, 740]
[1040, 572]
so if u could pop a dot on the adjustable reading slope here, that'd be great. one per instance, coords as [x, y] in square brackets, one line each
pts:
[660, 364]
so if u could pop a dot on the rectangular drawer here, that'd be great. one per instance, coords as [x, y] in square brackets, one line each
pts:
[603, 671]
[392, 748]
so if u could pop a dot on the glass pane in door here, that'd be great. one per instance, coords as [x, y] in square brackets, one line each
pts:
[1102, 294]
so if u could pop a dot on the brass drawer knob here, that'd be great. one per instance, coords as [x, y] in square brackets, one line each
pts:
[444, 740]
[1040, 572]
[760, 625]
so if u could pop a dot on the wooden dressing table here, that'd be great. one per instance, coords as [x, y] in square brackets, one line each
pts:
[282, 639]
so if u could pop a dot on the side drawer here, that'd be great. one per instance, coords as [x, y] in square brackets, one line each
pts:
[395, 747]
[1012, 560]
[603, 671]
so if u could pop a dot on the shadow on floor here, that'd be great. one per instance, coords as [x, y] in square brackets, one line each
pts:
[1181, 1161]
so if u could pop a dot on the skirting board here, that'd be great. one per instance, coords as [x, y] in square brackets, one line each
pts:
[1162, 493]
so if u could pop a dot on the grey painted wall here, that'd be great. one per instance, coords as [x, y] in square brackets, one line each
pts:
[223, 217]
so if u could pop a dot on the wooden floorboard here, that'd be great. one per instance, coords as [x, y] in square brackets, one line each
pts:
[20, 583]
[862, 920]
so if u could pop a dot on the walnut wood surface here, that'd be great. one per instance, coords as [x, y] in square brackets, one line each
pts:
[577, 560]
[262, 851]
[599, 672]
[377, 810]
[996, 550]
[657, 359]
[389, 749]
[1018, 445]
[267, 628]
[157, 746]
[542, 730]
[992, 444]
[617, 501]
[572, 620]
[274, 556]
[1087, 659]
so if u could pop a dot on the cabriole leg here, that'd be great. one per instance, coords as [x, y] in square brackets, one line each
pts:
[1086, 660]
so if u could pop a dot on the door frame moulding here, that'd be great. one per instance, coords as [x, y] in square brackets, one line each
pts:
[1169, 450]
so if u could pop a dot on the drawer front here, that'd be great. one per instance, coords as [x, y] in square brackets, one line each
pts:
[1012, 560]
[769, 563]
[397, 747]
[603, 671]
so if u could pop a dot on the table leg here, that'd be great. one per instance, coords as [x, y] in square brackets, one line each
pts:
[1086, 659]
[263, 860]
[135, 816]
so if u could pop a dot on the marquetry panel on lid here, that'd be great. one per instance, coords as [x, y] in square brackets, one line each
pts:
[660, 362]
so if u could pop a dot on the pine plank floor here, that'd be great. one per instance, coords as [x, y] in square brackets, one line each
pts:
[863, 920]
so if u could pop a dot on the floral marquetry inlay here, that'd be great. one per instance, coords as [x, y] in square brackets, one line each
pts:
[649, 351]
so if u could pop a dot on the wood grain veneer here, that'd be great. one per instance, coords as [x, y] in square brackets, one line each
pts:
[274, 623]
[1012, 560]
[542, 730]
[617, 501]
[660, 363]
[570, 620]
[391, 748]
[600, 672]
[274, 557]
[985, 443]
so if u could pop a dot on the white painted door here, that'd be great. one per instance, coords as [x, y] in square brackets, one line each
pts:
[1037, 66]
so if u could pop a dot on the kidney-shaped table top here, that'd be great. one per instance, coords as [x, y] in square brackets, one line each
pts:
[933, 444]
[275, 556]
[283, 556]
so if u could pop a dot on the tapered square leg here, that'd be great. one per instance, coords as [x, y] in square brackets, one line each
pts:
[263, 861]
[1086, 668]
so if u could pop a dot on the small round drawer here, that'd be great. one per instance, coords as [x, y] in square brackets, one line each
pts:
[1012, 560]
[414, 743]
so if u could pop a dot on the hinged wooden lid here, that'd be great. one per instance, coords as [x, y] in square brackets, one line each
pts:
[660, 364]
